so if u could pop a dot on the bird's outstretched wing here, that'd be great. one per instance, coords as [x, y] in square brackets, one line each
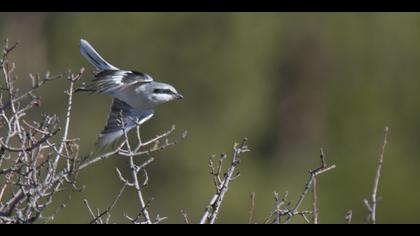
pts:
[121, 111]
[93, 57]
[109, 78]
[109, 81]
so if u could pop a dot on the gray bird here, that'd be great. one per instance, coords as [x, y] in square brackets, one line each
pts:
[135, 94]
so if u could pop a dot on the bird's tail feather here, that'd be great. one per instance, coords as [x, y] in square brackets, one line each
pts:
[93, 57]
[105, 139]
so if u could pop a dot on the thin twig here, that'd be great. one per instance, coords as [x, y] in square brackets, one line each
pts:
[251, 208]
[314, 200]
[119, 150]
[187, 221]
[109, 209]
[348, 217]
[314, 173]
[134, 173]
[315, 209]
[211, 211]
[33, 146]
[86, 202]
[73, 79]
[2, 192]
[372, 205]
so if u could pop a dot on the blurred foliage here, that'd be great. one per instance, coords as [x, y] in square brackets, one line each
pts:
[290, 82]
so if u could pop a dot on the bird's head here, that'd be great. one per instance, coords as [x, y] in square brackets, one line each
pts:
[162, 93]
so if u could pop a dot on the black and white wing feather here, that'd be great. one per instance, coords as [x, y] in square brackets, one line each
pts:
[109, 78]
[121, 111]
[109, 81]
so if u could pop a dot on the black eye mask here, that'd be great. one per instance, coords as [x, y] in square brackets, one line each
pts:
[163, 91]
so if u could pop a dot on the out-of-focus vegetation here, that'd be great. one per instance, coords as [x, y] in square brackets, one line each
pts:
[290, 82]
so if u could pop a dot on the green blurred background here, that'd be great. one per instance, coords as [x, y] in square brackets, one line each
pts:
[290, 82]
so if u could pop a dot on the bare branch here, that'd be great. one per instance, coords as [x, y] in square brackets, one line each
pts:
[348, 217]
[73, 79]
[313, 174]
[96, 219]
[31, 175]
[134, 171]
[109, 209]
[213, 207]
[314, 200]
[374, 200]
[251, 208]
[187, 221]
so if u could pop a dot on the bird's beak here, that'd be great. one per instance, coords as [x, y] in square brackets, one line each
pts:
[179, 96]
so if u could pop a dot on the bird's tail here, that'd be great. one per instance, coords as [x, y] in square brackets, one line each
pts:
[108, 138]
[93, 57]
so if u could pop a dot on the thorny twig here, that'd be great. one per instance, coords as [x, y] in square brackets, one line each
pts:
[222, 183]
[313, 174]
[282, 208]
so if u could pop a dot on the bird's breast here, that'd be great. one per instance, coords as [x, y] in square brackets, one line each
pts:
[134, 97]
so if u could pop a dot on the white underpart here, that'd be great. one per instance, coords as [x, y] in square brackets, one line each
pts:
[132, 96]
